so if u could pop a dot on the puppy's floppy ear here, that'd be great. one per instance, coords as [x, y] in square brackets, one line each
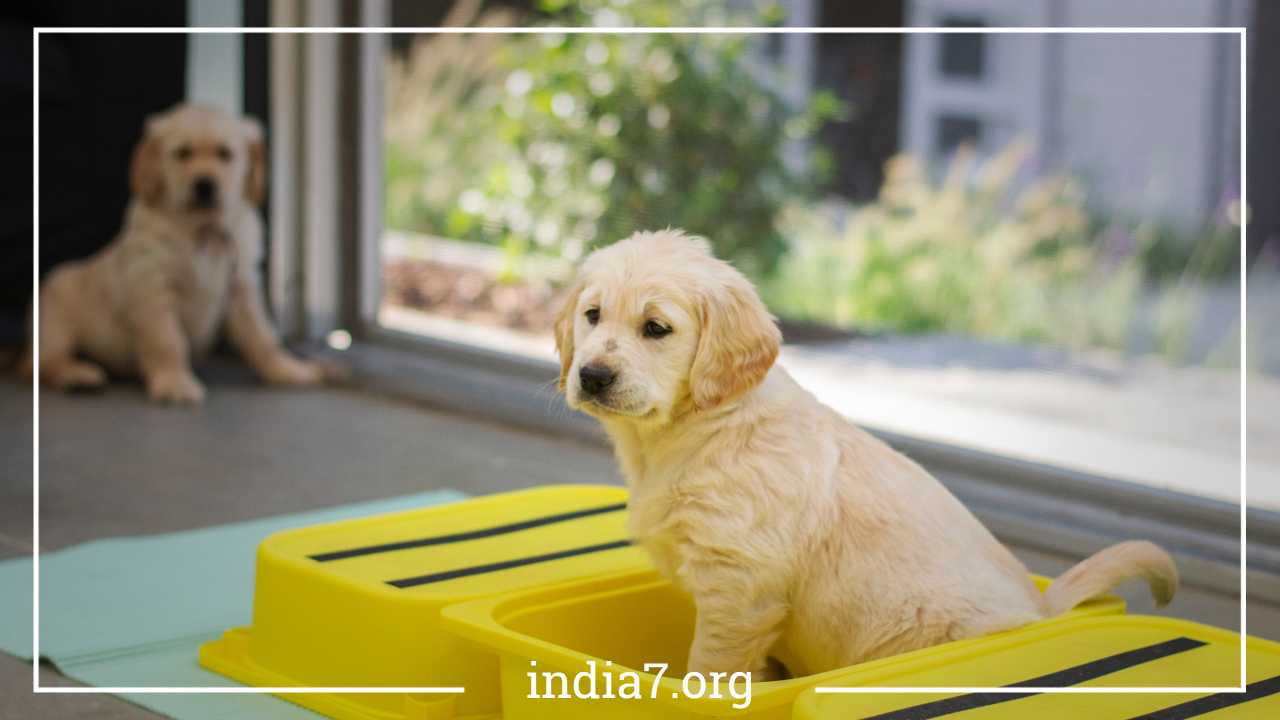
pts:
[564, 330]
[737, 346]
[146, 179]
[255, 184]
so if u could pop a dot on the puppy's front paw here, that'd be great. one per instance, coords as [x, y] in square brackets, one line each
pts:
[179, 387]
[289, 370]
[334, 370]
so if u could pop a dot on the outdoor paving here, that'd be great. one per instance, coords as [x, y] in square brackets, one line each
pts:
[1177, 428]
[1140, 418]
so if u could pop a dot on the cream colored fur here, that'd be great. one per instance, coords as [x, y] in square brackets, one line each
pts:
[797, 533]
[177, 274]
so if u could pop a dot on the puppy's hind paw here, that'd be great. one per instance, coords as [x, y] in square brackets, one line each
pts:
[179, 388]
[73, 376]
[773, 670]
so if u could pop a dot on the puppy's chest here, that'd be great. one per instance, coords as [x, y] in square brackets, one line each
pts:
[205, 289]
[656, 526]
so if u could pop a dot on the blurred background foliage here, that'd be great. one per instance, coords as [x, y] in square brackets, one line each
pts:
[553, 144]
[979, 254]
[557, 143]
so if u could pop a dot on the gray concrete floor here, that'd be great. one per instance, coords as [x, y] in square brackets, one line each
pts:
[113, 464]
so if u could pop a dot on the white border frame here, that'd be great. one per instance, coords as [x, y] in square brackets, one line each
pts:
[35, 498]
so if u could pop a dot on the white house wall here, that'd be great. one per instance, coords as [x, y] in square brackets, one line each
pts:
[1009, 100]
[1149, 123]
[1145, 117]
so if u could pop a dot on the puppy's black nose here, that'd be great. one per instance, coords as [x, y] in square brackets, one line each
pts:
[204, 191]
[595, 378]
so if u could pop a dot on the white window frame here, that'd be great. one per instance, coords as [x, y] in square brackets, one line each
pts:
[309, 294]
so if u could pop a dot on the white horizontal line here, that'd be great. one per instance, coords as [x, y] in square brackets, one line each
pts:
[649, 30]
[1029, 689]
[44, 689]
[458, 690]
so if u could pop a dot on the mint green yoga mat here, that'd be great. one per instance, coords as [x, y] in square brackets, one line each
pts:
[132, 611]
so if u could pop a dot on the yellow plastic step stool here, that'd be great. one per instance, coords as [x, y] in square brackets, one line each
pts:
[357, 603]
[1115, 651]
[629, 619]
[466, 595]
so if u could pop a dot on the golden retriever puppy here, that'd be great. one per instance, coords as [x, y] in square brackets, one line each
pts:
[793, 530]
[184, 266]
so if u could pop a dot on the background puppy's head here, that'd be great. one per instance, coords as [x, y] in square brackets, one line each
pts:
[199, 161]
[655, 324]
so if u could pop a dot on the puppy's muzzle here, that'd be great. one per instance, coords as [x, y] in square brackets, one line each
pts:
[204, 192]
[595, 379]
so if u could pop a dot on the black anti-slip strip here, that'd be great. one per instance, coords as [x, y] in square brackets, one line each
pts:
[504, 565]
[1061, 678]
[1210, 703]
[469, 535]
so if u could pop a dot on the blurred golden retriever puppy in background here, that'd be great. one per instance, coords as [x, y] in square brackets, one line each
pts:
[183, 269]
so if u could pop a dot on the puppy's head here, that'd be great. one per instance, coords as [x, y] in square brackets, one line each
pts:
[199, 161]
[656, 325]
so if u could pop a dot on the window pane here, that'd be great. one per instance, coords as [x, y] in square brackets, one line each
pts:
[963, 55]
[954, 131]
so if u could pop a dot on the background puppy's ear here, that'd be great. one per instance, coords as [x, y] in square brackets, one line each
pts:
[738, 344]
[146, 180]
[255, 184]
[564, 330]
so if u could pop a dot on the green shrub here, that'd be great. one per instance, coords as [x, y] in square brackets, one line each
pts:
[975, 256]
[962, 256]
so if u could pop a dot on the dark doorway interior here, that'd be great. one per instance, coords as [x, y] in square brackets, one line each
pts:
[865, 71]
[95, 94]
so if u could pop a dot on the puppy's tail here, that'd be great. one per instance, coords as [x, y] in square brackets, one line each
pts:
[1107, 568]
[22, 366]
[16, 360]
[21, 361]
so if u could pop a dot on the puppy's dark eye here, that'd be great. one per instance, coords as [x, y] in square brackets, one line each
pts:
[224, 153]
[593, 315]
[183, 152]
[655, 329]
